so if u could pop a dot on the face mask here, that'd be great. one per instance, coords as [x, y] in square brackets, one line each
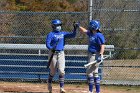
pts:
[58, 28]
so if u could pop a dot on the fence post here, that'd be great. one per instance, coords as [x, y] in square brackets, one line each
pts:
[90, 9]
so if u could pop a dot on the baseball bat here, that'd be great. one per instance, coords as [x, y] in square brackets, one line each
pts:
[86, 65]
[50, 59]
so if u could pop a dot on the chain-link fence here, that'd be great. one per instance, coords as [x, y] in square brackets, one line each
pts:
[120, 25]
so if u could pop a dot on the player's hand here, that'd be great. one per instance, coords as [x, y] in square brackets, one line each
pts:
[100, 58]
[76, 25]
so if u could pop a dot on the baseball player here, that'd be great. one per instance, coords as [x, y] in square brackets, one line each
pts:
[55, 41]
[95, 52]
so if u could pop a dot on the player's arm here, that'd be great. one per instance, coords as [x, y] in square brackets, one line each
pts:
[82, 29]
[70, 34]
[73, 33]
[102, 49]
[48, 41]
[101, 42]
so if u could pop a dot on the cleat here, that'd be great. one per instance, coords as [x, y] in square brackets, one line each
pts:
[62, 90]
[90, 92]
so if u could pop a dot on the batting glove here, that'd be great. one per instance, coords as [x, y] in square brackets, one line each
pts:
[100, 58]
[76, 25]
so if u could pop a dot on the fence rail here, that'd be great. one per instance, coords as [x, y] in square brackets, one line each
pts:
[24, 66]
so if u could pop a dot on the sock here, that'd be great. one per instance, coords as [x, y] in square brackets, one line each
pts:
[50, 79]
[97, 84]
[90, 83]
[61, 81]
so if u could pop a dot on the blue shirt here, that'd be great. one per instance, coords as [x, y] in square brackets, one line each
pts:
[95, 40]
[58, 36]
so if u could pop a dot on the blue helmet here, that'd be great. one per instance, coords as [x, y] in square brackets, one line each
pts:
[94, 25]
[56, 22]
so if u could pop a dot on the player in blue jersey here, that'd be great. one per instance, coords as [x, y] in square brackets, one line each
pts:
[95, 52]
[55, 42]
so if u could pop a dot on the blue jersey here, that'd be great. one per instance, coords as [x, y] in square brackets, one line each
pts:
[95, 40]
[58, 36]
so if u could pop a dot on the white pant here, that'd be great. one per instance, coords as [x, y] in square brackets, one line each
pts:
[93, 69]
[58, 61]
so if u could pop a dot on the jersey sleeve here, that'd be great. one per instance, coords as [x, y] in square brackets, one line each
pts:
[48, 41]
[70, 34]
[88, 32]
[100, 39]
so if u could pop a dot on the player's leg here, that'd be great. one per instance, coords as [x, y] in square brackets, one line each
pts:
[97, 82]
[50, 83]
[61, 69]
[90, 83]
[53, 68]
[89, 72]
[97, 78]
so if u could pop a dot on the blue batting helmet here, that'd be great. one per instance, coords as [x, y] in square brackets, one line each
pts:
[56, 22]
[94, 25]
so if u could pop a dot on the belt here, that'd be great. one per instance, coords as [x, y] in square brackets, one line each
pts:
[93, 52]
[58, 51]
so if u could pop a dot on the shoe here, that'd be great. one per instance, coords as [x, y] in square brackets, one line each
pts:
[90, 92]
[50, 87]
[62, 90]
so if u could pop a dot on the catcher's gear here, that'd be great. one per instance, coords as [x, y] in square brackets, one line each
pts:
[94, 25]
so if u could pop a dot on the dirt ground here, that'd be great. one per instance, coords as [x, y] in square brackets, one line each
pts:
[8, 87]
